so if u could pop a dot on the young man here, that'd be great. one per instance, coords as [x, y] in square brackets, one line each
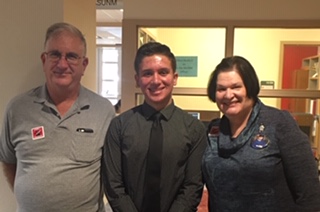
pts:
[52, 136]
[127, 152]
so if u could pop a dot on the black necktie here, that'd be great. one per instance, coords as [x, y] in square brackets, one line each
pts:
[151, 202]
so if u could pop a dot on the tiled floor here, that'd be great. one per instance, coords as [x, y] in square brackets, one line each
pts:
[203, 206]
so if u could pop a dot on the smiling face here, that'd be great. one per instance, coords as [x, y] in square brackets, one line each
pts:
[61, 74]
[156, 79]
[231, 95]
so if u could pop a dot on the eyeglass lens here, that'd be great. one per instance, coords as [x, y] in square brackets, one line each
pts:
[70, 57]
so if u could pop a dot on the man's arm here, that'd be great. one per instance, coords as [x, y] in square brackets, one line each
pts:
[9, 171]
[112, 172]
[190, 192]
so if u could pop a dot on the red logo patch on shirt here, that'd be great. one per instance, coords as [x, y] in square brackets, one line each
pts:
[37, 133]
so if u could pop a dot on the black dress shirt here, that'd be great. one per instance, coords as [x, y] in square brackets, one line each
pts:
[125, 154]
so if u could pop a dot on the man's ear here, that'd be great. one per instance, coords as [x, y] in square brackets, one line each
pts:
[175, 78]
[136, 77]
[43, 58]
[85, 62]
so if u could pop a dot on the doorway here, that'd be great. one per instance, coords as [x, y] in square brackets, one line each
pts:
[294, 76]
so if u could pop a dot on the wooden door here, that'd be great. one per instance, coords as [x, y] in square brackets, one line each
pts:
[299, 80]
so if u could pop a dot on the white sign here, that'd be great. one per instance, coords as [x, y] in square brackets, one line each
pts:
[109, 4]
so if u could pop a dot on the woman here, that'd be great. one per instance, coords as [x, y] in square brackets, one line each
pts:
[257, 159]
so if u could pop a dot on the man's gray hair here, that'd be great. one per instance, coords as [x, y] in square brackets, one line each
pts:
[62, 26]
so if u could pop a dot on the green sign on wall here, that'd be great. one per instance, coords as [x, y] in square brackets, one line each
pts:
[187, 66]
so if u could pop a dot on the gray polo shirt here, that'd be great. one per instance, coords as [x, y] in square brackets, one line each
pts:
[58, 158]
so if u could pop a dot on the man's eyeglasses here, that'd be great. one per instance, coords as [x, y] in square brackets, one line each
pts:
[55, 56]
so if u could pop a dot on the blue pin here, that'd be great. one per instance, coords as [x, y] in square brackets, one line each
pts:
[260, 141]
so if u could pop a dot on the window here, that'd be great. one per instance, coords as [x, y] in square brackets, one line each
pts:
[109, 72]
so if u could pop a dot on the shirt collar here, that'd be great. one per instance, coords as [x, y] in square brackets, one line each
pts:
[166, 112]
[82, 101]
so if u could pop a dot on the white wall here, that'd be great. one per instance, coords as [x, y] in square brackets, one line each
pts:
[221, 10]
[208, 44]
[22, 34]
[23, 25]
[82, 14]
[144, 12]
[260, 46]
